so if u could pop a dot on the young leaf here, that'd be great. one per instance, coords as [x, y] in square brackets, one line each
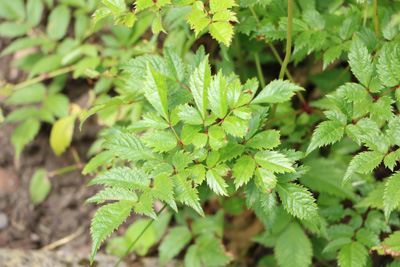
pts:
[155, 90]
[199, 83]
[217, 95]
[293, 245]
[299, 202]
[327, 132]
[160, 141]
[235, 126]
[127, 146]
[391, 195]
[216, 182]
[222, 32]
[216, 137]
[243, 170]
[105, 221]
[123, 177]
[181, 160]
[277, 91]
[185, 193]
[190, 115]
[364, 162]
[265, 140]
[265, 180]
[273, 161]
[353, 255]
[360, 62]
[176, 239]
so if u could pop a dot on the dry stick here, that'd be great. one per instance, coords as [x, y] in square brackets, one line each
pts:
[137, 238]
[376, 18]
[63, 241]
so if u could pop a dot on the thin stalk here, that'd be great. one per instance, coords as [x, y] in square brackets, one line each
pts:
[137, 238]
[44, 77]
[387, 92]
[64, 170]
[365, 14]
[288, 40]
[284, 116]
[239, 56]
[278, 57]
[376, 20]
[254, 14]
[259, 70]
[339, 77]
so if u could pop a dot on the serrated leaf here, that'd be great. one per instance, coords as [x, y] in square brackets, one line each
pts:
[265, 140]
[176, 239]
[155, 90]
[235, 126]
[374, 199]
[391, 195]
[105, 221]
[243, 170]
[299, 202]
[393, 241]
[157, 26]
[229, 152]
[353, 91]
[199, 83]
[217, 95]
[367, 237]
[336, 244]
[200, 140]
[130, 19]
[216, 137]
[216, 182]
[163, 189]
[174, 64]
[134, 179]
[113, 193]
[390, 160]
[293, 246]
[145, 207]
[360, 62]
[188, 133]
[113, 102]
[273, 161]
[265, 180]
[277, 91]
[353, 255]
[388, 66]
[327, 132]
[115, 5]
[190, 115]
[160, 141]
[331, 54]
[217, 5]
[182, 159]
[100, 14]
[127, 146]
[185, 193]
[382, 108]
[211, 251]
[154, 121]
[222, 32]
[364, 162]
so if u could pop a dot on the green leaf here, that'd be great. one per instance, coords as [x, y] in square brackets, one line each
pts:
[331, 54]
[231, 151]
[160, 141]
[265, 140]
[217, 95]
[115, 6]
[293, 246]
[127, 146]
[113, 102]
[188, 133]
[157, 24]
[336, 244]
[243, 170]
[154, 121]
[12, 10]
[265, 180]
[58, 22]
[353, 255]
[61, 134]
[217, 5]
[174, 64]
[374, 198]
[216, 182]
[155, 90]
[163, 189]
[273, 161]
[388, 66]
[105, 221]
[145, 206]
[393, 241]
[113, 193]
[353, 91]
[100, 14]
[364, 162]
[200, 140]
[192, 257]
[327, 132]
[31, 94]
[367, 237]
[13, 29]
[134, 179]
[277, 91]
[182, 159]
[299, 202]
[130, 19]
[173, 243]
[39, 187]
[217, 138]
[360, 62]
[190, 115]
[390, 160]
[199, 83]
[391, 195]
[145, 242]
[382, 108]
[235, 126]
[34, 9]
[211, 251]
[222, 32]
[23, 134]
[185, 193]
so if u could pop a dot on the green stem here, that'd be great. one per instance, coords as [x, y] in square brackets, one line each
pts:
[365, 14]
[259, 70]
[137, 238]
[288, 40]
[338, 78]
[376, 19]
[44, 77]
[254, 14]
[64, 170]
[239, 56]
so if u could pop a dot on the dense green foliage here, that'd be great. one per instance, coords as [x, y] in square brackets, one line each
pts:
[316, 163]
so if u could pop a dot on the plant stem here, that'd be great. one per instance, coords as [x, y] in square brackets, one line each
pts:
[339, 77]
[376, 19]
[139, 236]
[254, 14]
[288, 40]
[365, 14]
[259, 70]
[69, 168]
[387, 92]
[284, 116]
[44, 77]
[239, 56]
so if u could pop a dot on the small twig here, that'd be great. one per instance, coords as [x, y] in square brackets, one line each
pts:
[63, 241]
[184, 86]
